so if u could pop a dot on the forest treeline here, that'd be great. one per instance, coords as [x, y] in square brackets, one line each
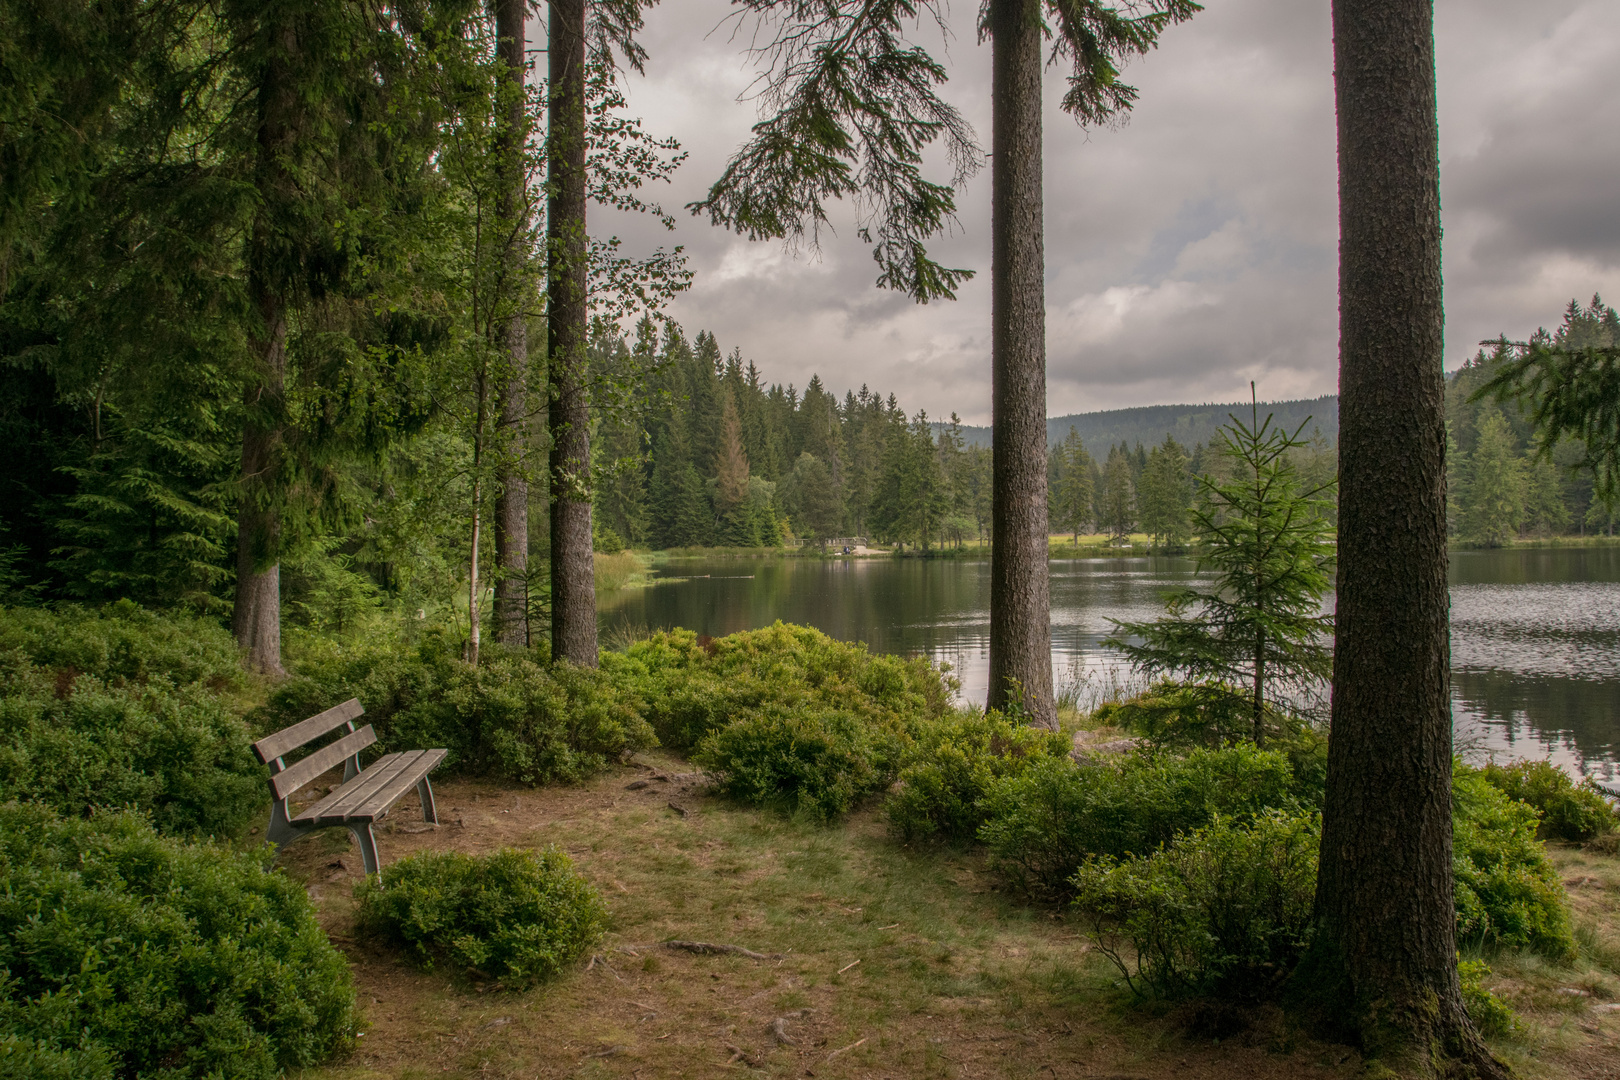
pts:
[1503, 483]
[694, 447]
[705, 452]
[709, 454]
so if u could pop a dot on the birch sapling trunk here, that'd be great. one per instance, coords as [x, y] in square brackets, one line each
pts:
[1020, 602]
[481, 419]
[573, 576]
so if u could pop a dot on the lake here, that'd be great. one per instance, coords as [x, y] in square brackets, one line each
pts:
[1535, 632]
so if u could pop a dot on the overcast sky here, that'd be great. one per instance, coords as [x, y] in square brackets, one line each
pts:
[1195, 248]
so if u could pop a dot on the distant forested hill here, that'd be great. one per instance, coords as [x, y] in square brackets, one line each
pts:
[1190, 424]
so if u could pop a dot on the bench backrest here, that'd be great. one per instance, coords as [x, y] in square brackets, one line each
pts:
[286, 779]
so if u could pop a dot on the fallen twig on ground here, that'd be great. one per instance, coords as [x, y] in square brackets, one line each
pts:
[846, 1049]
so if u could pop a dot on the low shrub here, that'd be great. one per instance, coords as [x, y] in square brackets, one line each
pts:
[123, 643]
[1224, 909]
[512, 717]
[785, 716]
[1180, 715]
[954, 762]
[1569, 811]
[1177, 714]
[692, 686]
[1042, 823]
[810, 763]
[174, 752]
[1490, 1014]
[1507, 891]
[128, 954]
[514, 916]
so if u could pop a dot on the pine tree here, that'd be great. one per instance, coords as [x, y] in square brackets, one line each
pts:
[1493, 495]
[694, 513]
[1268, 540]
[1381, 966]
[735, 524]
[1075, 490]
[811, 500]
[1569, 383]
[1164, 494]
[1116, 499]
[1546, 510]
[848, 86]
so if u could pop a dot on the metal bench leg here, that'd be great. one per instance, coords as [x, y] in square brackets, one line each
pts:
[281, 831]
[424, 791]
[368, 846]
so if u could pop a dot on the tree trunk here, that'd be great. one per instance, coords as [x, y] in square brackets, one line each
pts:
[256, 617]
[512, 484]
[1383, 964]
[1259, 688]
[1020, 615]
[573, 578]
[474, 616]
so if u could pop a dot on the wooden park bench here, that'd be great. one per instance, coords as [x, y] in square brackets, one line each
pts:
[365, 796]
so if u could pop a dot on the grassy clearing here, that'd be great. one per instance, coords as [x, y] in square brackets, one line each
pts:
[1591, 541]
[621, 570]
[1569, 1015]
[902, 962]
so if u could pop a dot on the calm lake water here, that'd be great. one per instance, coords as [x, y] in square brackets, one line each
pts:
[1535, 633]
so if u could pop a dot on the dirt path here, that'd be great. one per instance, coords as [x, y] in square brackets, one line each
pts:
[885, 962]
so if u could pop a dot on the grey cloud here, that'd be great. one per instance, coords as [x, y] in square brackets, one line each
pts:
[1194, 248]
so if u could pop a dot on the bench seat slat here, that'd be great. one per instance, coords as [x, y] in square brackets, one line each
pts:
[334, 809]
[301, 772]
[373, 793]
[379, 802]
[287, 740]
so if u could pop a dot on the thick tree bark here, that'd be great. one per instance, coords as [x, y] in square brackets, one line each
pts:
[256, 618]
[512, 490]
[1383, 964]
[1020, 601]
[573, 578]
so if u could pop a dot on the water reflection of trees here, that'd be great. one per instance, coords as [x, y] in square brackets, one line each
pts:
[941, 607]
[901, 606]
[1553, 711]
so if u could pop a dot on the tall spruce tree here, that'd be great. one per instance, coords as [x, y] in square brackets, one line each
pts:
[1116, 498]
[1493, 491]
[512, 217]
[573, 575]
[1569, 382]
[1076, 489]
[316, 136]
[578, 33]
[1382, 963]
[856, 106]
[1164, 493]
